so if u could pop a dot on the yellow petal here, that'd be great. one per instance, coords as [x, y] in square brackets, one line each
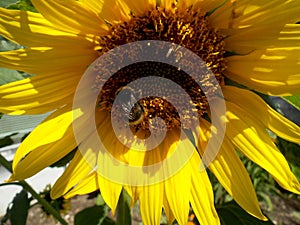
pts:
[38, 86]
[110, 192]
[34, 107]
[47, 143]
[253, 140]
[254, 105]
[37, 32]
[134, 192]
[151, 201]
[39, 94]
[177, 191]
[45, 60]
[231, 173]
[71, 16]
[140, 7]
[266, 11]
[87, 185]
[113, 11]
[245, 13]
[203, 5]
[130, 154]
[260, 36]
[168, 212]
[76, 171]
[147, 158]
[43, 135]
[43, 156]
[224, 13]
[85, 158]
[263, 70]
[233, 176]
[202, 199]
[108, 165]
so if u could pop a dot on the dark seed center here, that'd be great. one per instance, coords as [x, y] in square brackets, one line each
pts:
[187, 28]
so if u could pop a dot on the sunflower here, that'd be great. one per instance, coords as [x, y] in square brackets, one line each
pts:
[246, 47]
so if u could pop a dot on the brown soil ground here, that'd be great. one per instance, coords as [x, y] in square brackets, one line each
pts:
[37, 217]
[285, 212]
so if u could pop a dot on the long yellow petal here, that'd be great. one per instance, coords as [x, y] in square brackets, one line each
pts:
[140, 7]
[134, 192]
[147, 158]
[225, 13]
[203, 5]
[254, 105]
[44, 147]
[168, 212]
[71, 16]
[233, 176]
[32, 95]
[87, 185]
[110, 192]
[34, 107]
[261, 36]
[231, 173]
[263, 70]
[44, 60]
[248, 13]
[177, 191]
[202, 199]
[43, 156]
[37, 85]
[151, 201]
[253, 140]
[37, 32]
[43, 135]
[76, 171]
[85, 159]
[266, 11]
[113, 11]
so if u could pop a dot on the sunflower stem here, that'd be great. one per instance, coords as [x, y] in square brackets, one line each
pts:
[5, 163]
[43, 202]
[34, 194]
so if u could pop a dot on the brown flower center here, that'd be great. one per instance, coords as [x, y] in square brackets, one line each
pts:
[187, 28]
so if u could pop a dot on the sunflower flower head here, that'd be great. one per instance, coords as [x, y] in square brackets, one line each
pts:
[151, 93]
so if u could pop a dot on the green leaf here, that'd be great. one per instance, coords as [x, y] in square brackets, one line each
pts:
[100, 200]
[124, 212]
[108, 221]
[23, 5]
[94, 215]
[19, 210]
[5, 3]
[230, 214]
[294, 100]
[7, 76]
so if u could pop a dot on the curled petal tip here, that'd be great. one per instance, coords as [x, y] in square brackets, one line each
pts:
[11, 179]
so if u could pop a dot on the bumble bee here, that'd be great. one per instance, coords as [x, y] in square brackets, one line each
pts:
[132, 109]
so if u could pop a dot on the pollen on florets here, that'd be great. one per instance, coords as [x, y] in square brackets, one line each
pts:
[187, 28]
